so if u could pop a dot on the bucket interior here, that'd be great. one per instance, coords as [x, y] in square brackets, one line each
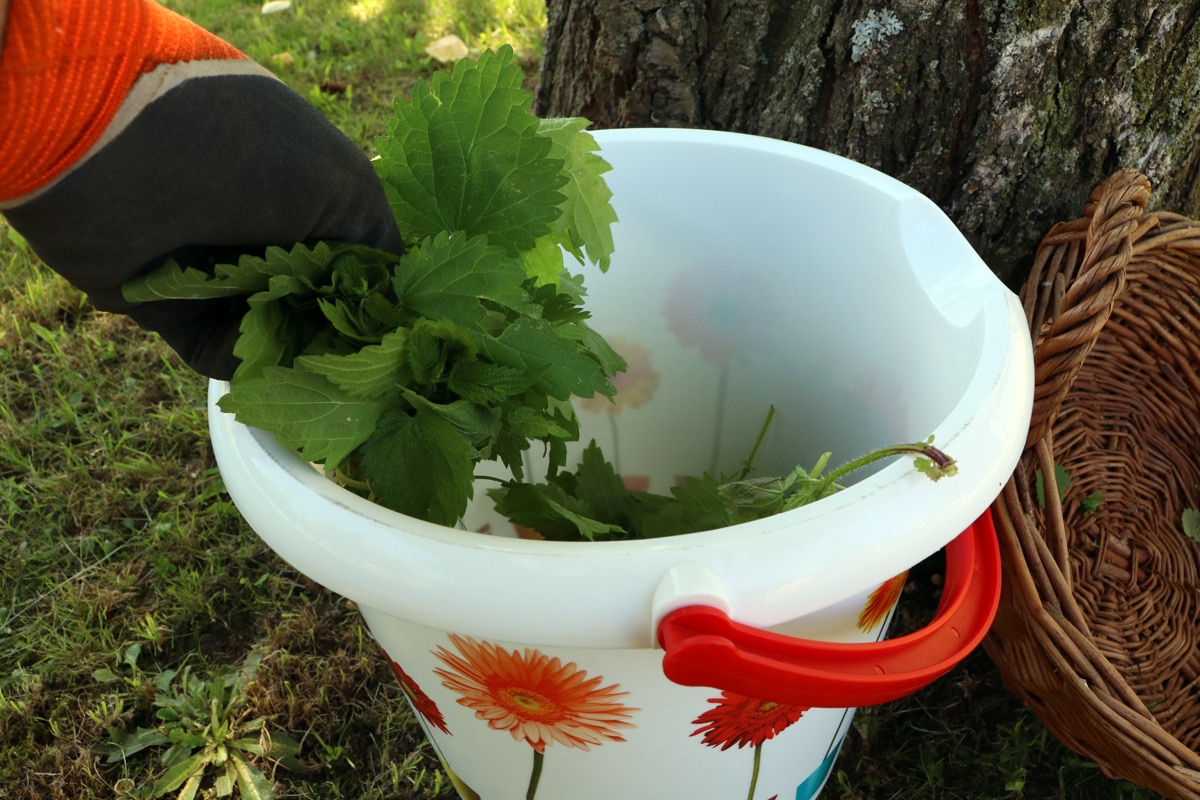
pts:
[747, 277]
[747, 274]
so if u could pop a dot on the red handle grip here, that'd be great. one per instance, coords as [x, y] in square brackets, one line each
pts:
[704, 647]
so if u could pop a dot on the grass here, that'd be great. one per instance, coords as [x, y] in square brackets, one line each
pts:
[126, 566]
[126, 561]
[351, 59]
[964, 737]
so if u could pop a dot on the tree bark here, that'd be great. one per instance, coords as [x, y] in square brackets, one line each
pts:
[1004, 113]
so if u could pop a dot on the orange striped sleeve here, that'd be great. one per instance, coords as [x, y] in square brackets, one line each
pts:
[66, 67]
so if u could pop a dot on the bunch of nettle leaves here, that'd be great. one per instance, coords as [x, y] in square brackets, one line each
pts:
[401, 373]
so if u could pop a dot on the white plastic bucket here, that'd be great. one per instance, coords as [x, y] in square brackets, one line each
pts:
[748, 272]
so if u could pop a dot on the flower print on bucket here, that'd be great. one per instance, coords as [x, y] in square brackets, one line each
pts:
[736, 720]
[727, 313]
[421, 702]
[533, 697]
[636, 384]
[880, 602]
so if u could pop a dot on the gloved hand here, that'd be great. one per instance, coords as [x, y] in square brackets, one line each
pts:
[128, 135]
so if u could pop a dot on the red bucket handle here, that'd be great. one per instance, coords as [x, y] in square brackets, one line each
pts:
[704, 647]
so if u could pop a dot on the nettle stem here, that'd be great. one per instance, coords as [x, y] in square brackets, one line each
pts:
[928, 459]
[748, 464]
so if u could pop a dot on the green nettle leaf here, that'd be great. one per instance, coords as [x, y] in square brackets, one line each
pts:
[600, 487]
[563, 367]
[326, 341]
[369, 372]
[699, 506]
[587, 213]
[284, 318]
[357, 272]
[1191, 523]
[591, 503]
[544, 263]
[302, 271]
[300, 261]
[530, 423]
[173, 282]
[345, 319]
[484, 382]
[280, 272]
[596, 346]
[450, 275]
[550, 511]
[384, 310]
[273, 333]
[300, 266]
[478, 424]
[263, 341]
[1062, 479]
[305, 411]
[435, 345]
[419, 464]
[558, 302]
[464, 154]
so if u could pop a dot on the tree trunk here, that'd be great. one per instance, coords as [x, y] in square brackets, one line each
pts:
[1004, 113]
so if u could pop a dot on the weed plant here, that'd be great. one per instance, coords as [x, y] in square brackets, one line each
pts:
[133, 598]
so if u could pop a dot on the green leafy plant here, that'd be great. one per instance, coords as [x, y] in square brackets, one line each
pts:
[207, 727]
[593, 503]
[1190, 521]
[1092, 502]
[469, 346]
[1062, 480]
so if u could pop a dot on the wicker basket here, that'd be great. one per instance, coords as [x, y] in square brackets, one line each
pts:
[1099, 623]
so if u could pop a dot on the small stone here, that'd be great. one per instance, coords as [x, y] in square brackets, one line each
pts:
[446, 49]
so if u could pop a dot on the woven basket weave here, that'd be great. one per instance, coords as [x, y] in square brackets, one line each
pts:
[1099, 622]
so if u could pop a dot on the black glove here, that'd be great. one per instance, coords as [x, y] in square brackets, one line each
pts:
[207, 157]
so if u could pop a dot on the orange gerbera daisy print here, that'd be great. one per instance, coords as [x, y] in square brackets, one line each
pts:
[420, 701]
[880, 603]
[636, 384]
[535, 698]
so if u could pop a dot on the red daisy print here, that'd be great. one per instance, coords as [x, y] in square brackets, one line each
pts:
[419, 700]
[744, 721]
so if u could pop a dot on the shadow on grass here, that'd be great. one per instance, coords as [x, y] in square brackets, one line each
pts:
[964, 737]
